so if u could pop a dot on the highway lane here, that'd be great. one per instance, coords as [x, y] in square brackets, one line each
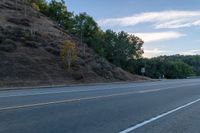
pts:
[101, 108]
[67, 94]
[183, 121]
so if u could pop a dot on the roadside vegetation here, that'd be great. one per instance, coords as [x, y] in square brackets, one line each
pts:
[68, 53]
[120, 48]
[171, 67]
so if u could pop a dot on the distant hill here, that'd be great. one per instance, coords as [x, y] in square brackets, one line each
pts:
[30, 52]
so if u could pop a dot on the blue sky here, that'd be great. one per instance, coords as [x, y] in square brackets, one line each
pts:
[166, 26]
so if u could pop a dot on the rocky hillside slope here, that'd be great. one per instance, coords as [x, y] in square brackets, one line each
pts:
[29, 52]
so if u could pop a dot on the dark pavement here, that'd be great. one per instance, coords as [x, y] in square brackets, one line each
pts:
[168, 106]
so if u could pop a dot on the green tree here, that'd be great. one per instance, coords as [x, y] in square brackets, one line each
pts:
[58, 11]
[42, 6]
[171, 68]
[122, 47]
[86, 28]
[178, 69]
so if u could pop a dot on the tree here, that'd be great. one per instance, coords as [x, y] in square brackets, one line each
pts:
[41, 5]
[85, 27]
[178, 69]
[68, 53]
[170, 67]
[35, 6]
[122, 47]
[58, 11]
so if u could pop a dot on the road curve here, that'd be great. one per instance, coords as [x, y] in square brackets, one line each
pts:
[152, 107]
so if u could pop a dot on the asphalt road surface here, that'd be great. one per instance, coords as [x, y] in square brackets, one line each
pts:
[169, 106]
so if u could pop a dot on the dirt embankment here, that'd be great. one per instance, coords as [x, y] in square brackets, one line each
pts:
[30, 52]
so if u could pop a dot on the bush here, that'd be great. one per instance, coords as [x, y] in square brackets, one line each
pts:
[68, 53]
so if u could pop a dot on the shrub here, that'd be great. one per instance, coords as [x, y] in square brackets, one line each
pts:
[68, 53]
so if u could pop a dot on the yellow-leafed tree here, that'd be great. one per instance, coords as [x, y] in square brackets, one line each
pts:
[35, 6]
[68, 53]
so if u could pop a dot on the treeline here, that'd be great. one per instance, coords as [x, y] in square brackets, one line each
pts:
[120, 48]
[117, 48]
[171, 67]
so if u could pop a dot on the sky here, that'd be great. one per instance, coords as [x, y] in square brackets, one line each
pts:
[167, 27]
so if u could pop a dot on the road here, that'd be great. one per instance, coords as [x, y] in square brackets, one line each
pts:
[168, 106]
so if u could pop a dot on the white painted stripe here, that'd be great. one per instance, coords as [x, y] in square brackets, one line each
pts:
[69, 91]
[86, 90]
[70, 100]
[130, 129]
[73, 91]
[87, 98]
[150, 90]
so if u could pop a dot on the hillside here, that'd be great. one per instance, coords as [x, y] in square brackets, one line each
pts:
[30, 52]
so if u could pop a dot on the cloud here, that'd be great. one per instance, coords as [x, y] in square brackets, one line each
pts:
[149, 53]
[191, 52]
[179, 23]
[158, 36]
[164, 19]
[155, 52]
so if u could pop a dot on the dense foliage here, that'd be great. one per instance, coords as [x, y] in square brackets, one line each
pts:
[121, 49]
[176, 66]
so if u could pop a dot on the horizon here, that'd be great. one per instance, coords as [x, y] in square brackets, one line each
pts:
[166, 27]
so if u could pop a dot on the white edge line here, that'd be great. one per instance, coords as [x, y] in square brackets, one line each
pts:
[130, 129]
[86, 98]
[73, 91]
[66, 101]
[85, 90]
